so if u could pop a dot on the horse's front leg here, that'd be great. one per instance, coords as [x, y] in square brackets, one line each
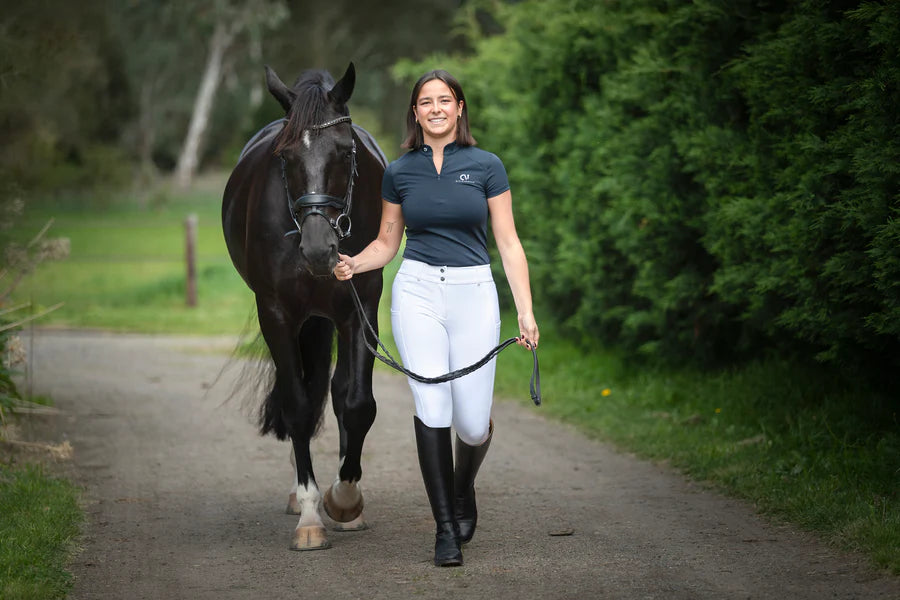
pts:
[289, 412]
[309, 534]
[354, 407]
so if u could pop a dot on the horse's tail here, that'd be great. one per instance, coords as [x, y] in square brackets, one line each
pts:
[316, 343]
[249, 370]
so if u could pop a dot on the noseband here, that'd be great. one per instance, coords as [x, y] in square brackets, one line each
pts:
[312, 203]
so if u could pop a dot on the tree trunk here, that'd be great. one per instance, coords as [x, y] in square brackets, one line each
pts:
[146, 141]
[203, 104]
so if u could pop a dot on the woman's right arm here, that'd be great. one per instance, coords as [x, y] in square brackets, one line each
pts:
[381, 250]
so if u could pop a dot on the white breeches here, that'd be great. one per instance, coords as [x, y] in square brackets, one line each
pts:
[444, 319]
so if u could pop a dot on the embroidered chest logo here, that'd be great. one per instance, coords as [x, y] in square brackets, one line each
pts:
[463, 178]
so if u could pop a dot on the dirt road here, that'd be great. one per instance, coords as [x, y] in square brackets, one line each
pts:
[185, 500]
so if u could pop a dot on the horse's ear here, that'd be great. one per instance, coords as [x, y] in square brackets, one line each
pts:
[343, 89]
[282, 93]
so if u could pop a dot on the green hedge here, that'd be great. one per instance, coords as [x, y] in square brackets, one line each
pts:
[709, 180]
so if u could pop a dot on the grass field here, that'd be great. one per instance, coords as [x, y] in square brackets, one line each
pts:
[39, 518]
[126, 271]
[800, 444]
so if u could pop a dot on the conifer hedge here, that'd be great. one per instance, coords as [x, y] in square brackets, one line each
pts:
[708, 179]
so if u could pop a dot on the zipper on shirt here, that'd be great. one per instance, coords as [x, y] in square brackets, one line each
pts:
[430, 156]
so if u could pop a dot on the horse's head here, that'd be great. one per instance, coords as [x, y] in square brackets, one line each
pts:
[318, 162]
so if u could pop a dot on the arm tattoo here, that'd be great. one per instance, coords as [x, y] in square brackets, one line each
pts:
[390, 226]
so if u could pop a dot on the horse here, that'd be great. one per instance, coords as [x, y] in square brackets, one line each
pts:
[300, 186]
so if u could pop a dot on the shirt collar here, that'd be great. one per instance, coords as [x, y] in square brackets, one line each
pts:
[448, 149]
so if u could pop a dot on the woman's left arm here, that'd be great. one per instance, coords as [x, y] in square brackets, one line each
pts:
[515, 265]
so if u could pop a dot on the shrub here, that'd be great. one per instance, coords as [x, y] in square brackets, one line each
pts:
[703, 180]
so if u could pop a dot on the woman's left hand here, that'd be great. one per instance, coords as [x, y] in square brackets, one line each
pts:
[528, 331]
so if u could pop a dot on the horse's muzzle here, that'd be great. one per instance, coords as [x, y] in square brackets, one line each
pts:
[319, 263]
[318, 247]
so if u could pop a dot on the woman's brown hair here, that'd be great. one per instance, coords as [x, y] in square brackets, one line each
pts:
[414, 139]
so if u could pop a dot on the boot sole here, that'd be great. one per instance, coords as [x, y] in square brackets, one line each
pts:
[449, 563]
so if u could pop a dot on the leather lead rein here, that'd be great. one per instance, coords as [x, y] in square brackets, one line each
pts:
[386, 358]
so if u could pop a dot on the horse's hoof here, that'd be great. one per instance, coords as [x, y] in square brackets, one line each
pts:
[357, 524]
[341, 514]
[310, 538]
[293, 507]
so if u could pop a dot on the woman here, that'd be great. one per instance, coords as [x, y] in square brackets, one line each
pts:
[444, 308]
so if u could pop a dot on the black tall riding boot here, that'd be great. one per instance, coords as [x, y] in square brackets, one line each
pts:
[436, 461]
[468, 460]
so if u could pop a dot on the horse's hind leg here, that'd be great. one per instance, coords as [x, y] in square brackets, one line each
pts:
[354, 407]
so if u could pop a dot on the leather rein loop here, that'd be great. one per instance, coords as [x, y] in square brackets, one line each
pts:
[386, 358]
[312, 203]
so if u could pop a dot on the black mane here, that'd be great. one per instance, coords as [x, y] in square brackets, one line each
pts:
[310, 107]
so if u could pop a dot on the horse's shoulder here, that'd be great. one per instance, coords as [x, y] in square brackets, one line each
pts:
[263, 136]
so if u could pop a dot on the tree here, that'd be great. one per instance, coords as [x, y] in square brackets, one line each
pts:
[62, 95]
[715, 180]
[229, 21]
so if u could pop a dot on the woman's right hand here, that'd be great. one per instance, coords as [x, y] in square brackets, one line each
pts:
[344, 269]
[528, 336]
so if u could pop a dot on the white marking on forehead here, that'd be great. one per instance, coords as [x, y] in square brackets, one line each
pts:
[306, 141]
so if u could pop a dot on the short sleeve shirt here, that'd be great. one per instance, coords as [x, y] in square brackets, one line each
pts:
[445, 213]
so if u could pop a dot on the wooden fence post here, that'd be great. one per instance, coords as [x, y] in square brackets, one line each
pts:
[190, 245]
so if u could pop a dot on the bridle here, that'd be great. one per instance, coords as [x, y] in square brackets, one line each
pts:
[302, 207]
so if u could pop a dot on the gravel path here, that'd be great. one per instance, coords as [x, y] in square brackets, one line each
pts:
[185, 500]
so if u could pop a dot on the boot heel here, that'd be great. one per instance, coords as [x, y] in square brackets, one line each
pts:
[447, 551]
[435, 451]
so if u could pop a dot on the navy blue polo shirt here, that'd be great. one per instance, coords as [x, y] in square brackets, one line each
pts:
[446, 213]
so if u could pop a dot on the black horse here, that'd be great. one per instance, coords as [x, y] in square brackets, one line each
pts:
[301, 184]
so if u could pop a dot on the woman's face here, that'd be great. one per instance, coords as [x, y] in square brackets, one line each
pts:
[437, 111]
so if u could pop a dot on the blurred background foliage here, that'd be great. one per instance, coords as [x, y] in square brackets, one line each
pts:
[707, 182]
[98, 95]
